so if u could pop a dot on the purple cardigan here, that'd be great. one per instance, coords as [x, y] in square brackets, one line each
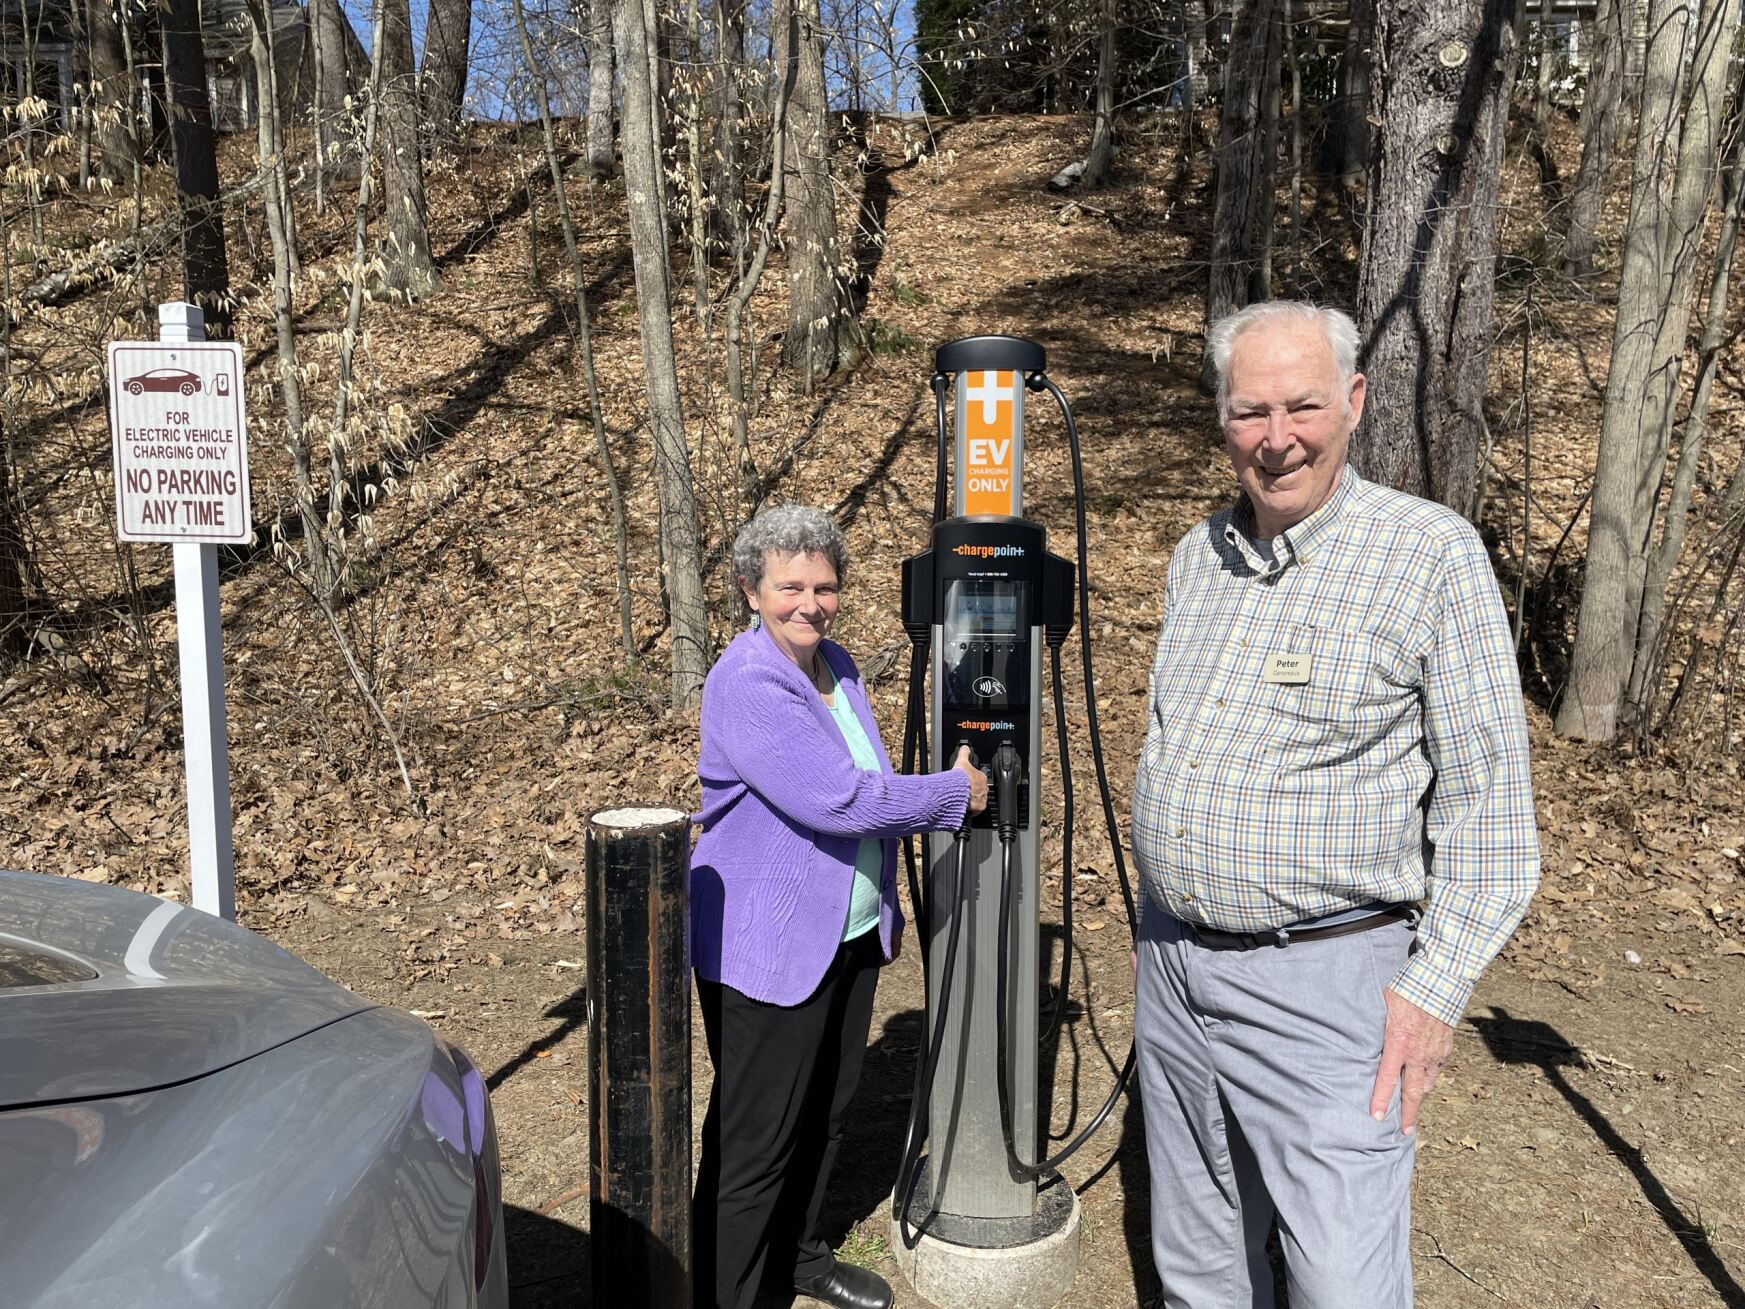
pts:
[784, 811]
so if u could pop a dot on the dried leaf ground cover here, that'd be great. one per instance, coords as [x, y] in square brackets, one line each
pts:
[1582, 1149]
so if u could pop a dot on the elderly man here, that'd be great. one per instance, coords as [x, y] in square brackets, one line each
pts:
[1333, 817]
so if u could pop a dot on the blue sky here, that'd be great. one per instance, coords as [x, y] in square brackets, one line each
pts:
[496, 52]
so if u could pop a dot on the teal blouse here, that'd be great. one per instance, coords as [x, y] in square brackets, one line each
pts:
[863, 901]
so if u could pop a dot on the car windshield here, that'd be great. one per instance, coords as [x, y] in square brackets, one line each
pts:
[24, 965]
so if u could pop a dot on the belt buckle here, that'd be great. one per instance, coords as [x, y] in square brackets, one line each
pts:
[1281, 937]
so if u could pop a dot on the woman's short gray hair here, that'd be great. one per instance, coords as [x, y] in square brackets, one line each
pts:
[1336, 326]
[788, 530]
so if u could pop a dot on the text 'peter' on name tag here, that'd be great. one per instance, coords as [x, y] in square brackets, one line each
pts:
[1286, 669]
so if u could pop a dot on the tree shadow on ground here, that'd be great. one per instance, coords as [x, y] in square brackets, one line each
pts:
[489, 226]
[550, 1264]
[1514, 1040]
[572, 1010]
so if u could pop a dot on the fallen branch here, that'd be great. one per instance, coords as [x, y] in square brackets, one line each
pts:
[1443, 1256]
[557, 1202]
[1079, 206]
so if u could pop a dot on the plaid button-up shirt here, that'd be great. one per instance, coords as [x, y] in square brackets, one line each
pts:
[1335, 721]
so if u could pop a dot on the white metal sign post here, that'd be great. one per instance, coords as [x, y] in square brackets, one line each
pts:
[181, 476]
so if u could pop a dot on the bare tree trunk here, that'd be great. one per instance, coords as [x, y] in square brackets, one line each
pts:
[584, 336]
[1542, 78]
[680, 537]
[1351, 133]
[727, 190]
[600, 161]
[694, 172]
[136, 129]
[1428, 266]
[1102, 151]
[1292, 62]
[330, 89]
[1599, 125]
[1648, 340]
[348, 337]
[272, 152]
[15, 556]
[1690, 446]
[205, 266]
[272, 147]
[407, 269]
[1197, 17]
[448, 35]
[750, 275]
[821, 330]
[14, 561]
[113, 93]
[1242, 202]
[1263, 213]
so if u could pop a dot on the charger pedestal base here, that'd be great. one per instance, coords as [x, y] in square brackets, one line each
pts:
[963, 1263]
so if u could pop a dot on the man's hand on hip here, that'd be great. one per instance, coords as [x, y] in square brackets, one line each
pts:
[1414, 1047]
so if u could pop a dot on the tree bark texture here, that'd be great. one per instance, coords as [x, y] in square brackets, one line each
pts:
[1668, 204]
[1599, 128]
[820, 321]
[680, 537]
[205, 264]
[1243, 201]
[447, 38]
[601, 164]
[408, 270]
[334, 78]
[1428, 267]
[113, 95]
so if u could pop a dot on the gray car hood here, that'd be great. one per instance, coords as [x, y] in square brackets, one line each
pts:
[161, 993]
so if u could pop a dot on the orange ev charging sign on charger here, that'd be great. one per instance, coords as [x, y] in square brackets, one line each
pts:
[990, 443]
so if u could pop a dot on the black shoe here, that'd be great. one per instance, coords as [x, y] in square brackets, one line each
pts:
[848, 1286]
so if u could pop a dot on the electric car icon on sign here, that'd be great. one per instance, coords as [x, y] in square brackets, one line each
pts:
[164, 379]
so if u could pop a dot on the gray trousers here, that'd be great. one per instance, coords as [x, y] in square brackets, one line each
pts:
[1256, 1068]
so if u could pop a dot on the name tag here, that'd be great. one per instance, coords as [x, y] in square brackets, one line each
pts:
[1286, 669]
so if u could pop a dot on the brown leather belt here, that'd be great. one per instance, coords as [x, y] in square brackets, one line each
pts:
[1213, 939]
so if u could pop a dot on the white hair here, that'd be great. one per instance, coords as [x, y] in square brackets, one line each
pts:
[1336, 327]
[788, 530]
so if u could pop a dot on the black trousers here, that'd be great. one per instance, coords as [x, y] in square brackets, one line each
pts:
[783, 1080]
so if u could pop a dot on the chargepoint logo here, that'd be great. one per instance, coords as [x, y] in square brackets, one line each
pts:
[990, 551]
[989, 687]
[973, 726]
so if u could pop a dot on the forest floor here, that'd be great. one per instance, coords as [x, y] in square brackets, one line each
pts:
[1583, 1146]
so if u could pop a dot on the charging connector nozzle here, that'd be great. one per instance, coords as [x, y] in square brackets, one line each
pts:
[1006, 769]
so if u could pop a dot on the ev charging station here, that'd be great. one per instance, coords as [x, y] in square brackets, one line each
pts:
[984, 1217]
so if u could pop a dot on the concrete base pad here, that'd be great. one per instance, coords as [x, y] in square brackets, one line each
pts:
[1034, 1275]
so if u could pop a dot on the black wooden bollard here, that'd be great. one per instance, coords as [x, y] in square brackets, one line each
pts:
[639, 1058]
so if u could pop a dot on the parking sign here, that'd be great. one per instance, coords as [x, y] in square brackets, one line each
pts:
[180, 442]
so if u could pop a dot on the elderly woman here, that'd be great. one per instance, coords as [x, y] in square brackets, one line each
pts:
[793, 911]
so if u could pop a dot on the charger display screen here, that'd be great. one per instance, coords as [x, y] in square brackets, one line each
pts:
[982, 608]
